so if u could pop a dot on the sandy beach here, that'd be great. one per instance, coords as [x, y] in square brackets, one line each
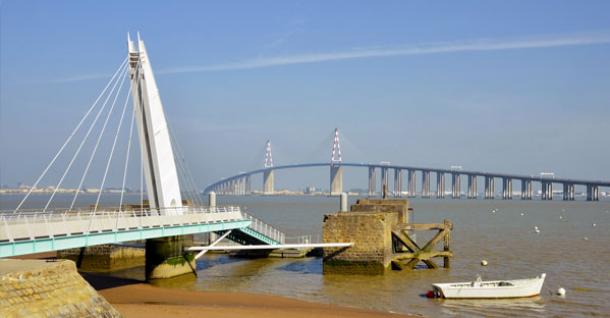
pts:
[135, 299]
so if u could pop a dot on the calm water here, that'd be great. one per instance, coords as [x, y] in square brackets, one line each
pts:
[574, 254]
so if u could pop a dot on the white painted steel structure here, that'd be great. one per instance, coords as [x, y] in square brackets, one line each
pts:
[268, 247]
[158, 157]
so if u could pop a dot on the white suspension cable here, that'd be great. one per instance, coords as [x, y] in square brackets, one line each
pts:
[116, 137]
[80, 146]
[99, 138]
[133, 119]
[44, 172]
[182, 165]
[142, 180]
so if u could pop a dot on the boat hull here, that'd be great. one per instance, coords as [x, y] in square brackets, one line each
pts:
[520, 288]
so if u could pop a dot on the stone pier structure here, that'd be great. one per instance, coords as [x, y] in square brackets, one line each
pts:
[40, 288]
[380, 232]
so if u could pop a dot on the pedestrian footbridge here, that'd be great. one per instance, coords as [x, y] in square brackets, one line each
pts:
[28, 232]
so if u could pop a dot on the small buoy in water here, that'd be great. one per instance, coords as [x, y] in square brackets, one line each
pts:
[483, 262]
[561, 217]
[586, 238]
[594, 224]
[561, 292]
[536, 229]
[522, 214]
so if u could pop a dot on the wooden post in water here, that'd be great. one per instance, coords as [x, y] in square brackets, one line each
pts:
[447, 238]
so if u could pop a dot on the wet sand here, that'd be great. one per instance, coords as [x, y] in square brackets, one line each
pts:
[135, 299]
[141, 300]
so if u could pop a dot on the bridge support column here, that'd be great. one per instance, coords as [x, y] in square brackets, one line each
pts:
[165, 257]
[490, 187]
[372, 181]
[440, 185]
[547, 190]
[336, 179]
[268, 182]
[398, 176]
[527, 191]
[456, 184]
[572, 192]
[425, 180]
[248, 185]
[384, 179]
[507, 188]
[411, 183]
[472, 186]
[592, 192]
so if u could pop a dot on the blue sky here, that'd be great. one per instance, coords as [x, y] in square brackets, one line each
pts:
[508, 86]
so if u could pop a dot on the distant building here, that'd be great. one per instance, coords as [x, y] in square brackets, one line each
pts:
[310, 189]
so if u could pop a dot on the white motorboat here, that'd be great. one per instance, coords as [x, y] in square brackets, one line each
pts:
[515, 288]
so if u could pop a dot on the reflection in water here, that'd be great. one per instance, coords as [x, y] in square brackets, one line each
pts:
[526, 307]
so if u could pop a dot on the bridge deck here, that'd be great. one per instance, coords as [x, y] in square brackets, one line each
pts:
[34, 232]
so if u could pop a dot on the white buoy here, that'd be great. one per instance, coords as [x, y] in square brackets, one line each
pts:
[586, 238]
[483, 262]
[561, 217]
[594, 224]
[561, 292]
[536, 229]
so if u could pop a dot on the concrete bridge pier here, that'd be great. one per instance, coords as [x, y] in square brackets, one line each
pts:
[372, 181]
[248, 184]
[411, 183]
[166, 257]
[568, 191]
[384, 179]
[440, 185]
[571, 192]
[592, 192]
[507, 188]
[268, 182]
[527, 191]
[547, 190]
[456, 184]
[398, 177]
[490, 188]
[425, 180]
[472, 186]
[336, 180]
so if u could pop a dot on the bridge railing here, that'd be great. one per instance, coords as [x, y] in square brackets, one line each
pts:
[265, 229]
[34, 224]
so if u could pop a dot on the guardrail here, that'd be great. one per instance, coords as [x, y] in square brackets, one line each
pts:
[36, 224]
[265, 229]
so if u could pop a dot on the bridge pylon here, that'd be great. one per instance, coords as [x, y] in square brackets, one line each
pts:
[336, 170]
[268, 177]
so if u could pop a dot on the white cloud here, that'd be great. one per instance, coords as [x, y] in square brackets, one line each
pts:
[421, 49]
[381, 52]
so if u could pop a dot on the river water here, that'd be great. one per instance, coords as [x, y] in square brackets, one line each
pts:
[573, 252]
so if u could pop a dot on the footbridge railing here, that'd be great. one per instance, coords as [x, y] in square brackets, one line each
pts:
[27, 232]
[263, 231]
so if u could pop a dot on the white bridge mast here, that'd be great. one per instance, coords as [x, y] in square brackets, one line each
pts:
[158, 157]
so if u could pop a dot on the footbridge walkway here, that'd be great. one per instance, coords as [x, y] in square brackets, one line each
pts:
[28, 232]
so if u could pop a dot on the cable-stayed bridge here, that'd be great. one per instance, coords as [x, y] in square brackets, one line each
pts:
[419, 180]
[172, 206]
